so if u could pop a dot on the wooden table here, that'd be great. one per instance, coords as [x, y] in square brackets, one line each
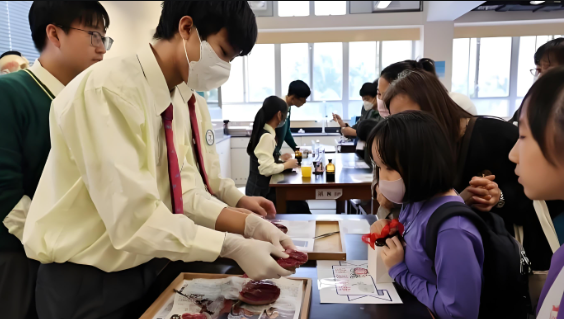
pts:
[356, 250]
[354, 182]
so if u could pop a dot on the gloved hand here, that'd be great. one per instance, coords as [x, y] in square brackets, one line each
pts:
[253, 256]
[261, 229]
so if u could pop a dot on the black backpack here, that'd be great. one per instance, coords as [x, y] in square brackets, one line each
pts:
[505, 289]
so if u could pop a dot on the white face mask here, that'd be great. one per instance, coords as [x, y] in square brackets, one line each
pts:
[394, 191]
[367, 105]
[210, 72]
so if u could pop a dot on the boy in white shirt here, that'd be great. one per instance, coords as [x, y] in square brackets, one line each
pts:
[114, 204]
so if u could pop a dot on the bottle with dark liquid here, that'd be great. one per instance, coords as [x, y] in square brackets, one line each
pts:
[330, 171]
[298, 155]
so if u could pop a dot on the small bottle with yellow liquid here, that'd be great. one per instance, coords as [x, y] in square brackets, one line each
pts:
[298, 155]
[330, 171]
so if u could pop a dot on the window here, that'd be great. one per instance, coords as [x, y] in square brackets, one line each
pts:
[260, 67]
[233, 90]
[294, 64]
[501, 81]
[293, 8]
[327, 71]
[363, 57]
[527, 48]
[269, 69]
[395, 51]
[494, 62]
[330, 8]
[14, 28]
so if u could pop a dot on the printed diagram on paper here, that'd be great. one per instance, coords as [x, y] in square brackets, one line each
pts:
[349, 282]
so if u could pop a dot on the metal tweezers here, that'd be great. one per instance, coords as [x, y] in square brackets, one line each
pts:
[326, 235]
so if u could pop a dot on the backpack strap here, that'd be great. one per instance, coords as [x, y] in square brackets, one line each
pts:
[442, 214]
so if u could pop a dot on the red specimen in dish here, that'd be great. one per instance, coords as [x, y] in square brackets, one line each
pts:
[261, 292]
[283, 228]
[296, 259]
[196, 316]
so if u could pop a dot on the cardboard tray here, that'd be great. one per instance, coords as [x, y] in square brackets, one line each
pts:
[328, 248]
[177, 284]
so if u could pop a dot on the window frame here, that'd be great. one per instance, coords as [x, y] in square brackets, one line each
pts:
[513, 97]
[280, 91]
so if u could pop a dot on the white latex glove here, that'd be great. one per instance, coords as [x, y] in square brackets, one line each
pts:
[262, 229]
[253, 256]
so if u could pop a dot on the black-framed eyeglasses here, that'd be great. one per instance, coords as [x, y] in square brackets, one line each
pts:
[96, 38]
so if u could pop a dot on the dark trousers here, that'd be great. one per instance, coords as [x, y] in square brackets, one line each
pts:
[72, 291]
[17, 285]
[258, 185]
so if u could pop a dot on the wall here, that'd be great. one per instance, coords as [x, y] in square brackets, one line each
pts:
[132, 24]
[437, 40]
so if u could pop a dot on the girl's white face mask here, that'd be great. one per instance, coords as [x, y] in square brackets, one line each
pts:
[367, 105]
[210, 72]
[394, 191]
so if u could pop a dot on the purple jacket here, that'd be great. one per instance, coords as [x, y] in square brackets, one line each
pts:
[454, 290]
[556, 266]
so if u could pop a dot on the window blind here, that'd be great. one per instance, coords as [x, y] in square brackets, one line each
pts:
[14, 29]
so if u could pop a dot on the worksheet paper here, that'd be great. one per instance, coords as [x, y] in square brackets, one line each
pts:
[349, 282]
[299, 228]
[362, 178]
[220, 299]
[355, 165]
[304, 244]
[355, 226]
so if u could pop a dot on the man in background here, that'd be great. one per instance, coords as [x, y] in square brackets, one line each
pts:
[298, 92]
[12, 61]
[548, 56]
[70, 37]
[368, 93]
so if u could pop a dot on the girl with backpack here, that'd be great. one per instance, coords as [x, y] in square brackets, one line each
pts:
[449, 284]
[539, 155]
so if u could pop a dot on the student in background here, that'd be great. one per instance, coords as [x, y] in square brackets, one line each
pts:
[480, 145]
[450, 285]
[540, 166]
[109, 211]
[368, 92]
[70, 37]
[12, 61]
[548, 56]
[391, 73]
[298, 92]
[261, 148]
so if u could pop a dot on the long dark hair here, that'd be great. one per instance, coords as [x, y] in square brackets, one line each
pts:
[270, 108]
[426, 90]
[398, 137]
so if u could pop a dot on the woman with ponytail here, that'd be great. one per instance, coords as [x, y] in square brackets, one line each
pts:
[261, 148]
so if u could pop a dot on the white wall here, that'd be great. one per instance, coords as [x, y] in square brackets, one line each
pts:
[132, 24]
[437, 39]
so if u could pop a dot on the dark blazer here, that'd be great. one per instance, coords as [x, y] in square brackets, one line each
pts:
[492, 140]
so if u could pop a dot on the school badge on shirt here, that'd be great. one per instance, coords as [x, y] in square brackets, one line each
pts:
[210, 138]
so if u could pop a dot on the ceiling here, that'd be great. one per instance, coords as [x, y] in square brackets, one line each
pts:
[506, 6]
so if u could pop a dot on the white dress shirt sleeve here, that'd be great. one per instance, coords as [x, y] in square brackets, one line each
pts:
[107, 137]
[264, 152]
[199, 205]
